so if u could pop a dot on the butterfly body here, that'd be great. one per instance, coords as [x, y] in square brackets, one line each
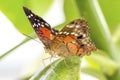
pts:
[71, 40]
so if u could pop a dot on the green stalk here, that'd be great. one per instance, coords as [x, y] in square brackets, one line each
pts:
[90, 10]
[9, 51]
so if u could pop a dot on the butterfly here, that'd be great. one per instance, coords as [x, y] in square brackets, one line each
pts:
[72, 40]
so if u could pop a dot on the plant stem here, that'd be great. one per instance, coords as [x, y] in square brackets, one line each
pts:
[100, 34]
[9, 51]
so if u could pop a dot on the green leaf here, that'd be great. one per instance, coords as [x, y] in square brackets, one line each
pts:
[116, 37]
[71, 12]
[111, 12]
[63, 69]
[13, 9]
[98, 74]
[116, 76]
[106, 65]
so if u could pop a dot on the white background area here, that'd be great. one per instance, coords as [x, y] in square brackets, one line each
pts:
[14, 65]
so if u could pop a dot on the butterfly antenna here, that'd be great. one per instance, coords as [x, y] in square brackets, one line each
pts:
[31, 37]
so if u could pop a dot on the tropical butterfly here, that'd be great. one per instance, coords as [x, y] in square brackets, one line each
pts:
[72, 40]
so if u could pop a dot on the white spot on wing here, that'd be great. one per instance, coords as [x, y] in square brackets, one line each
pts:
[64, 32]
[60, 32]
[29, 16]
[42, 25]
[34, 25]
[67, 33]
[76, 34]
[72, 33]
[84, 35]
[70, 26]
[39, 24]
[77, 26]
[46, 24]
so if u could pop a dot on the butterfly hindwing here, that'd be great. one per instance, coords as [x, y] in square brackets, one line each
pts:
[75, 36]
[78, 28]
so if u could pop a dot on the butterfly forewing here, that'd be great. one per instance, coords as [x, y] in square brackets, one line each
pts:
[41, 27]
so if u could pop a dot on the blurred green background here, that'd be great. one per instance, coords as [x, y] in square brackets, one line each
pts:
[103, 20]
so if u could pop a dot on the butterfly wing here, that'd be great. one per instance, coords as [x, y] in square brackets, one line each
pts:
[75, 36]
[41, 27]
[78, 28]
